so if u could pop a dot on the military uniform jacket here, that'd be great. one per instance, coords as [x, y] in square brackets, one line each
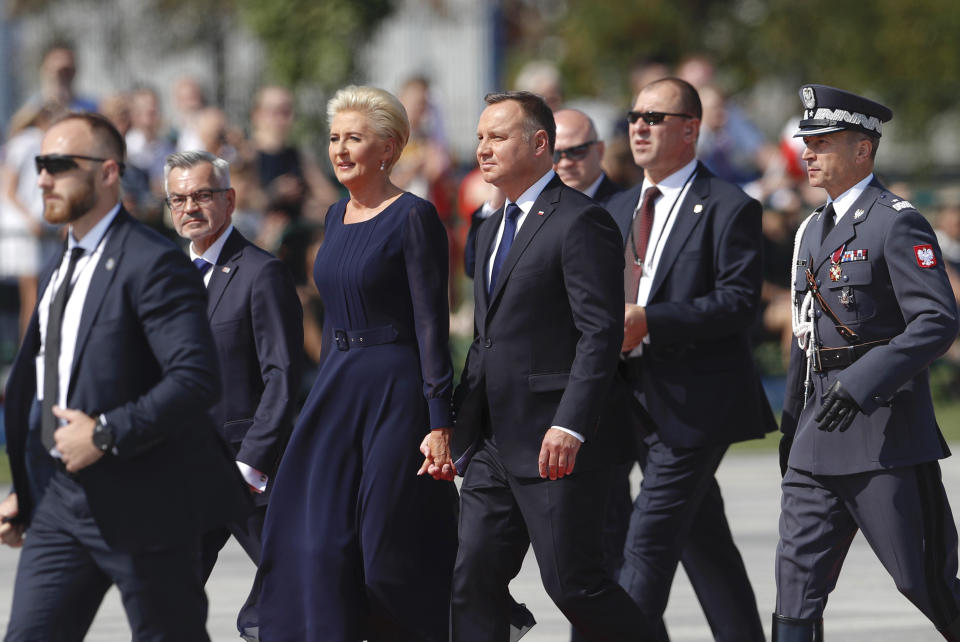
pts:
[891, 285]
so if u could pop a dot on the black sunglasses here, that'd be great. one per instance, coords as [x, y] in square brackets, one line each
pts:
[576, 153]
[652, 117]
[59, 163]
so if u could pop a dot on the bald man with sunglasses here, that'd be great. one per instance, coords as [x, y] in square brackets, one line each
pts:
[692, 285]
[578, 156]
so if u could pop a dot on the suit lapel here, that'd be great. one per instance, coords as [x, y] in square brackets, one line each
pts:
[540, 211]
[106, 269]
[688, 214]
[624, 215]
[223, 271]
[845, 229]
[487, 233]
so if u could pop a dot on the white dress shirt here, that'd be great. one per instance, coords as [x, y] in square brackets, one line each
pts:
[525, 202]
[92, 243]
[846, 200]
[591, 191]
[253, 477]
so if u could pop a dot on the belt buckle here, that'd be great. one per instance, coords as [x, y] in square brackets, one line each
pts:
[340, 338]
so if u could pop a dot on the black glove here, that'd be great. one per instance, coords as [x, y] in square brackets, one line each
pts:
[786, 441]
[838, 409]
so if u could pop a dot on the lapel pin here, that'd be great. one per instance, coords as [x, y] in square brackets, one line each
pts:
[225, 269]
[110, 264]
[698, 208]
[539, 212]
[858, 214]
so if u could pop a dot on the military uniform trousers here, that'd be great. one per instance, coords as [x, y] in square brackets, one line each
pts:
[906, 519]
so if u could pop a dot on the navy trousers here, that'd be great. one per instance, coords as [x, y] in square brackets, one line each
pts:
[500, 517]
[65, 568]
[679, 516]
[906, 519]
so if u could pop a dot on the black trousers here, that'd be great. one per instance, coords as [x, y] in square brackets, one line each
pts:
[248, 535]
[65, 568]
[679, 516]
[501, 516]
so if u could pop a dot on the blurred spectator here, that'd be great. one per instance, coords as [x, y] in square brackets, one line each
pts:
[57, 72]
[147, 145]
[643, 72]
[135, 194]
[251, 200]
[729, 145]
[947, 229]
[282, 166]
[22, 228]
[542, 78]
[188, 101]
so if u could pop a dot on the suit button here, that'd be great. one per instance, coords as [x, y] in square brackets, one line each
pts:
[877, 399]
[846, 277]
[816, 314]
[487, 343]
[818, 283]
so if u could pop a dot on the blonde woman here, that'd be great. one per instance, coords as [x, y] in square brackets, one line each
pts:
[357, 544]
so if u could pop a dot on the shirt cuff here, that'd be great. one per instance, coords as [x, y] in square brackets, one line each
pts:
[253, 477]
[580, 437]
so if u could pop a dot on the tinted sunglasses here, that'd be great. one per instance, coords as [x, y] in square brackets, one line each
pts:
[59, 163]
[576, 153]
[652, 117]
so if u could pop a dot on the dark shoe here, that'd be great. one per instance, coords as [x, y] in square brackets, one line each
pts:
[789, 629]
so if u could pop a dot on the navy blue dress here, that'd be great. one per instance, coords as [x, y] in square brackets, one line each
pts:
[356, 545]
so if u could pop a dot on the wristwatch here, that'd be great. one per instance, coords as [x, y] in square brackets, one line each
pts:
[103, 437]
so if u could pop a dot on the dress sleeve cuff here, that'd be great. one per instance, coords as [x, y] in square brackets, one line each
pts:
[253, 477]
[571, 432]
[439, 413]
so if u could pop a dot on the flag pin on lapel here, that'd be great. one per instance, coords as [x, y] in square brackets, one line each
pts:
[225, 269]
[539, 212]
[110, 264]
[858, 214]
[698, 208]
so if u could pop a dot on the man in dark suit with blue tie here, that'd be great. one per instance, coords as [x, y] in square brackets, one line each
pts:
[117, 470]
[257, 325]
[692, 285]
[549, 329]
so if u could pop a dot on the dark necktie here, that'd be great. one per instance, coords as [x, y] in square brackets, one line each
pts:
[203, 265]
[509, 231]
[636, 249]
[51, 352]
[828, 215]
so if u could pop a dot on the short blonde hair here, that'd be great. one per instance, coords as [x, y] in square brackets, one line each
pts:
[384, 111]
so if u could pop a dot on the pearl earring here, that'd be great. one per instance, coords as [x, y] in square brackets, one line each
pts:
[383, 165]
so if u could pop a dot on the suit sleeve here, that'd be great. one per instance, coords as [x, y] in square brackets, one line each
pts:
[592, 264]
[277, 320]
[170, 304]
[427, 264]
[929, 313]
[732, 304]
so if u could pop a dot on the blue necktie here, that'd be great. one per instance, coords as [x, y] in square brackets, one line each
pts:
[509, 231]
[203, 265]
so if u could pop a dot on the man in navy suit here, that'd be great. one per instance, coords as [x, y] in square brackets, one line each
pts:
[692, 286]
[861, 445]
[257, 325]
[116, 466]
[549, 329]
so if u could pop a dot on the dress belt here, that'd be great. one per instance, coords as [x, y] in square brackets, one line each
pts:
[364, 338]
[830, 358]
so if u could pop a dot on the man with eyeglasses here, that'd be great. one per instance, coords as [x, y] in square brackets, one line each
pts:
[578, 155]
[257, 325]
[692, 285]
[116, 467]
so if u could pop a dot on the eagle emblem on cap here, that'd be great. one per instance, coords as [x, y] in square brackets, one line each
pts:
[808, 97]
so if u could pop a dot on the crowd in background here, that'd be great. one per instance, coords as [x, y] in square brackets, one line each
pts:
[284, 189]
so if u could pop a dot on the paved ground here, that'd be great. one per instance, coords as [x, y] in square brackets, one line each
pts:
[865, 606]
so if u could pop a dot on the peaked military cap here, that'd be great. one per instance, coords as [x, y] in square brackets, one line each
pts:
[827, 110]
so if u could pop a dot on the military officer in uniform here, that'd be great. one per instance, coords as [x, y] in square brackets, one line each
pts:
[860, 444]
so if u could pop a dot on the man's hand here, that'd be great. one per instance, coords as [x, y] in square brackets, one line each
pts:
[838, 409]
[436, 452]
[10, 534]
[634, 326]
[75, 439]
[558, 453]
